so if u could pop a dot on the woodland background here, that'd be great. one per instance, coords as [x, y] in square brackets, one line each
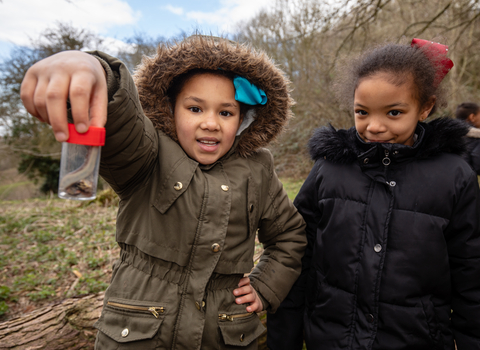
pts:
[308, 39]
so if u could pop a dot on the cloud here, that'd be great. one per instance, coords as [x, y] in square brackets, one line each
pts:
[174, 10]
[24, 19]
[230, 13]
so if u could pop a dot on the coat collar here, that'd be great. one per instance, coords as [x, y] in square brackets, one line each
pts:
[442, 135]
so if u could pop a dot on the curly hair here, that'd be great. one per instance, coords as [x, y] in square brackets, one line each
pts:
[401, 62]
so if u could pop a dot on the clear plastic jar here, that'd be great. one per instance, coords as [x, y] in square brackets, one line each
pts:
[79, 164]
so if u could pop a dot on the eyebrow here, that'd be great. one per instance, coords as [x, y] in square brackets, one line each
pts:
[397, 104]
[199, 100]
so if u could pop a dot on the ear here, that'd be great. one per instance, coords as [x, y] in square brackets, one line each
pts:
[471, 118]
[427, 108]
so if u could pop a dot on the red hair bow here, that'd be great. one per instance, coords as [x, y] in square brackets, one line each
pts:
[437, 54]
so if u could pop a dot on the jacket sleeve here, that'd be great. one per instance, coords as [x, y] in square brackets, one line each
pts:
[281, 230]
[285, 327]
[131, 140]
[463, 240]
[475, 156]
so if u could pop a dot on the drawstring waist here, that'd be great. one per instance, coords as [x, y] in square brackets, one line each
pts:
[169, 271]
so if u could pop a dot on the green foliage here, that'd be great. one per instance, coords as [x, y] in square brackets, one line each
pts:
[46, 168]
[44, 292]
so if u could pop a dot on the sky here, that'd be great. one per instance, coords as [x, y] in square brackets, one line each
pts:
[117, 20]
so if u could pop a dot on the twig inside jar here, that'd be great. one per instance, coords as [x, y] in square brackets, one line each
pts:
[76, 182]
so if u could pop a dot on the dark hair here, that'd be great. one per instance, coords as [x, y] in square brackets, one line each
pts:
[179, 82]
[402, 62]
[465, 109]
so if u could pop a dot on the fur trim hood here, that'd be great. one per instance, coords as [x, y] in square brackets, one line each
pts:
[154, 76]
[442, 135]
[473, 133]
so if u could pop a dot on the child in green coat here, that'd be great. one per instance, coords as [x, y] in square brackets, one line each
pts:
[184, 152]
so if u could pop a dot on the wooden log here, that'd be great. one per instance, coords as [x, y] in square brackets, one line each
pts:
[65, 325]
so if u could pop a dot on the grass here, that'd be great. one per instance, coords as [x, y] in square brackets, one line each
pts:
[53, 249]
[292, 187]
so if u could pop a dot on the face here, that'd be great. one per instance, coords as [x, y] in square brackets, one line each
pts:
[385, 112]
[474, 119]
[207, 117]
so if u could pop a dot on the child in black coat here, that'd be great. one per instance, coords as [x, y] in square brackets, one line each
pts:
[392, 212]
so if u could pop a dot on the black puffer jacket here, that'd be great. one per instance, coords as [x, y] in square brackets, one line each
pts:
[472, 156]
[394, 246]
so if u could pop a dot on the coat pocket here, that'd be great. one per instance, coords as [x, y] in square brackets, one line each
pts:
[432, 321]
[130, 321]
[240, 329]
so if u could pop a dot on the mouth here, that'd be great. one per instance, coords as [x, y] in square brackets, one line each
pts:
[377, 141]
[208, 144]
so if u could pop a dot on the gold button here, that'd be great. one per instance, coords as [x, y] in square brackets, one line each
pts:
[203, 303]
[225, 188]
[178, 186]
[125, 332]
[242, 337]
[197, 305]
[215, 247]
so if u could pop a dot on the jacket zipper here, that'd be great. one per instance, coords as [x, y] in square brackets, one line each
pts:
[225, 317]
[154, 310]
[386, 161]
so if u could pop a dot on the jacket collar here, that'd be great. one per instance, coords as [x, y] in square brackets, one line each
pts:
[442, 135]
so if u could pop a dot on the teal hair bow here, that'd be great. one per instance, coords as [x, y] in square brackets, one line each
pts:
[248, 93]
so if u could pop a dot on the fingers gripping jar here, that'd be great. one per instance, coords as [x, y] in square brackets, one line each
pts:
[79, 163]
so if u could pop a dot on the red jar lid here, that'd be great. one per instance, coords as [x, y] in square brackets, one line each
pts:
[94, 136]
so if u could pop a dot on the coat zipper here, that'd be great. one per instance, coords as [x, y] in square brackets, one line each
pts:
[386, 161]
[154, 310]
[225, 317]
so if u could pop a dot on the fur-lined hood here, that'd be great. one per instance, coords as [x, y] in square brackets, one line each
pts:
[442, 135]
[154, 76]
[474, 133]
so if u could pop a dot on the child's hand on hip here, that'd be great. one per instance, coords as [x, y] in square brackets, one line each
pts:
[70, 74]
[246, 294]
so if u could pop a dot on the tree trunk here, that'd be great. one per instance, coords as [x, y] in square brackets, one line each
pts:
[65, 325]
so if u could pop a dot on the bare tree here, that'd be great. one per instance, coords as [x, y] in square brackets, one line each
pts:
[309, 38]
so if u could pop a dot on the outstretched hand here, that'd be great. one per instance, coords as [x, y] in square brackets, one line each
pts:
[70, 74]
[246, 294]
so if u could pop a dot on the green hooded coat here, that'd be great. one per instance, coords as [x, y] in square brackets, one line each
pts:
[186, 230]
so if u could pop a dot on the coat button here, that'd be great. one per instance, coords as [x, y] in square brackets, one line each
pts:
[242, 337]
[370, 318]
[178, 186]
[250, 208]
[225, 188]
[377, 248]
[365, 161]
[392, 183]
[125, 332]
[215, 247]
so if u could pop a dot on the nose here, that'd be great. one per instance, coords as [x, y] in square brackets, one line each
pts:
[375, 125]
[210, 122]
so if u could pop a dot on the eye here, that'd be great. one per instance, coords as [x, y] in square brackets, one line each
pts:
[195, 109]
[394, 113]
[226, 113]
[361, 112]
